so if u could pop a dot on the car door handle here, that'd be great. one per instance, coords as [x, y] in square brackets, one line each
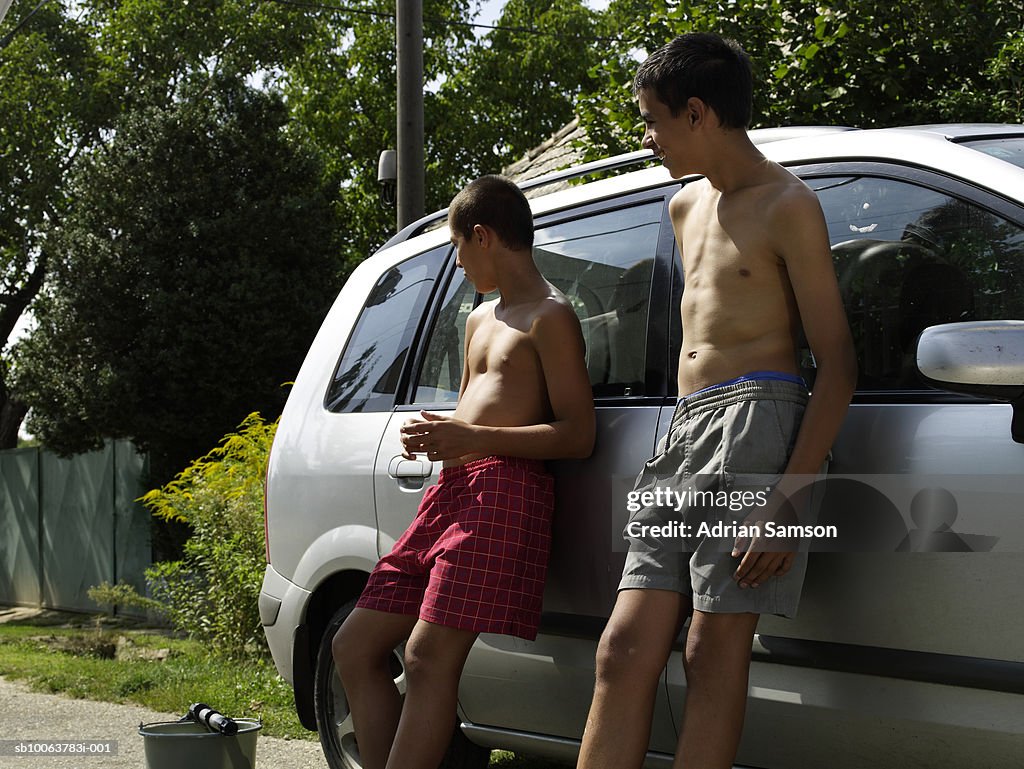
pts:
[401, 467]
[410, 473]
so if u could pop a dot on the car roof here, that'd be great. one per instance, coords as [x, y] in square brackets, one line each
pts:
[938, 146]
[915, 146]
[966, 131]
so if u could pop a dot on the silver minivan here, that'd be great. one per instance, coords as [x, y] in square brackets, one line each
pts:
[901, 655]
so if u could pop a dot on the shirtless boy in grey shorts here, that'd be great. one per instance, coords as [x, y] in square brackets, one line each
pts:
[758, 268]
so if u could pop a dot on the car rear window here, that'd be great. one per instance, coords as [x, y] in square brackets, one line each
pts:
[1010, 149]
[368, 373]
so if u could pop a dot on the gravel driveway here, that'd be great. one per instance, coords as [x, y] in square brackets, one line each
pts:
[26, 715]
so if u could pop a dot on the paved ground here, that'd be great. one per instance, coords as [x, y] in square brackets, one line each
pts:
[26, 715]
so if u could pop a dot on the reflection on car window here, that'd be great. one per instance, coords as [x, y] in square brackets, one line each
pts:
[368, 373]
[603, 264]
[909, 257]
[1010, 149]
[441, 374]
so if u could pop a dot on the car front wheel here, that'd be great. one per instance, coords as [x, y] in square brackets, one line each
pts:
[334, 720]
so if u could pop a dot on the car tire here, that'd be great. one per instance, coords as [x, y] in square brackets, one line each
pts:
[334, 721]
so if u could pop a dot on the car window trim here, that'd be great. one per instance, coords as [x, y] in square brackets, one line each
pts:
[404, 396]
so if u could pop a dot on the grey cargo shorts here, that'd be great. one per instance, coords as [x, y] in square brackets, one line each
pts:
[720, 438]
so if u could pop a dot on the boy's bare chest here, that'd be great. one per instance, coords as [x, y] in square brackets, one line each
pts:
[497, 347]
[722, 246]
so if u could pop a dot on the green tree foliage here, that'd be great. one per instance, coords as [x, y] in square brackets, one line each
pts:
[487, 99]
[864, 63]
[519, 85]
[48, 114]
[343, 91]
[151, 49]
[187, 280]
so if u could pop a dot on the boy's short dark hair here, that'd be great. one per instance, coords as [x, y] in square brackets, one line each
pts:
[702, 65]
[496, 202]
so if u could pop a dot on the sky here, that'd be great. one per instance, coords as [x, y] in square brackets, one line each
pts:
[490, 10]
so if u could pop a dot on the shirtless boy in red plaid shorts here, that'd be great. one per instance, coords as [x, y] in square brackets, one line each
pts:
[475, 557]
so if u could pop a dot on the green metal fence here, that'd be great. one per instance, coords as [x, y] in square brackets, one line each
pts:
[69, 524]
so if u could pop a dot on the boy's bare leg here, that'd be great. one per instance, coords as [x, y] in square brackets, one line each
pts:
[434, 658]
[362, 648]
[717, 665]
[630, 659]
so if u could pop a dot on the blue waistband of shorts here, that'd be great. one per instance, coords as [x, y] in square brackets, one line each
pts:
[756, 385]
[753, 376]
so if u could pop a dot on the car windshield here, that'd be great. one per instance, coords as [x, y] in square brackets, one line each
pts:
[1010, 149]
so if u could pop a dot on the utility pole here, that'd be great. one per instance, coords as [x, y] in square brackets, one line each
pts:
[409, 42]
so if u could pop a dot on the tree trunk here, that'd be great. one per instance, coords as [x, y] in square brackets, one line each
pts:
[12, 413]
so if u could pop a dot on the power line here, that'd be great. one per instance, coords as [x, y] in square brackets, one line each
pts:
[6, 41]
[444, 22]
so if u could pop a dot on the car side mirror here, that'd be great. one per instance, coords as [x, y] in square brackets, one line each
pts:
[983, 358]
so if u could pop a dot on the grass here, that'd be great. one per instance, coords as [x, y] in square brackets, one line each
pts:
[152, 669]
[164, 673]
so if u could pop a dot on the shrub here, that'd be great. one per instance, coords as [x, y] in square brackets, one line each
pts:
[212, 592]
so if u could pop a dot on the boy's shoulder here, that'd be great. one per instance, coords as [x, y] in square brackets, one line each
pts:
[555, 308]
[789, 201]
[773, 192]
[550, 308]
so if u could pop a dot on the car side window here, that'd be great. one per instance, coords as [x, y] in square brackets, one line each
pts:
[441, 373]
[603, 264]
[909, 257]
[368, 373]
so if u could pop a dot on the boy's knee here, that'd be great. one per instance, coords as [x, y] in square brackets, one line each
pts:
[354, 653]
[345, 650]
[417, 661]
[718, 639]
[436, 655]
[622, 655]
[426, 669]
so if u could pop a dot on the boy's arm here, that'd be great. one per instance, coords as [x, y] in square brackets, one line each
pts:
[805, 248]
[802, 242]
[559, 343]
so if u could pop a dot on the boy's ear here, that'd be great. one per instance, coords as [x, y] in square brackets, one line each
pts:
[482, 235]
[696, 111]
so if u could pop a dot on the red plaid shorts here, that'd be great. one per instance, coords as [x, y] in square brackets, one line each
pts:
[476, 555]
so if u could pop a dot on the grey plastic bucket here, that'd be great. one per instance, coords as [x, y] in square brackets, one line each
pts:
[177, 744]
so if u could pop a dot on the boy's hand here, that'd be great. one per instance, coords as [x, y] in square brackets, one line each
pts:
[765, 557]
[439, 437]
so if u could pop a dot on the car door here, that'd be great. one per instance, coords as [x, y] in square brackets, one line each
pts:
[610, 260]
[910, 657]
